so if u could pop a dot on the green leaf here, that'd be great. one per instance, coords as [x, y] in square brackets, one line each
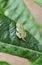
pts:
[4, 63]
[19, 51]
[8, 35]
[16, 10]
[39, 2]
[38, 61]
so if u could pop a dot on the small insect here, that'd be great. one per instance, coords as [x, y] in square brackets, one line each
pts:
[20, 32]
